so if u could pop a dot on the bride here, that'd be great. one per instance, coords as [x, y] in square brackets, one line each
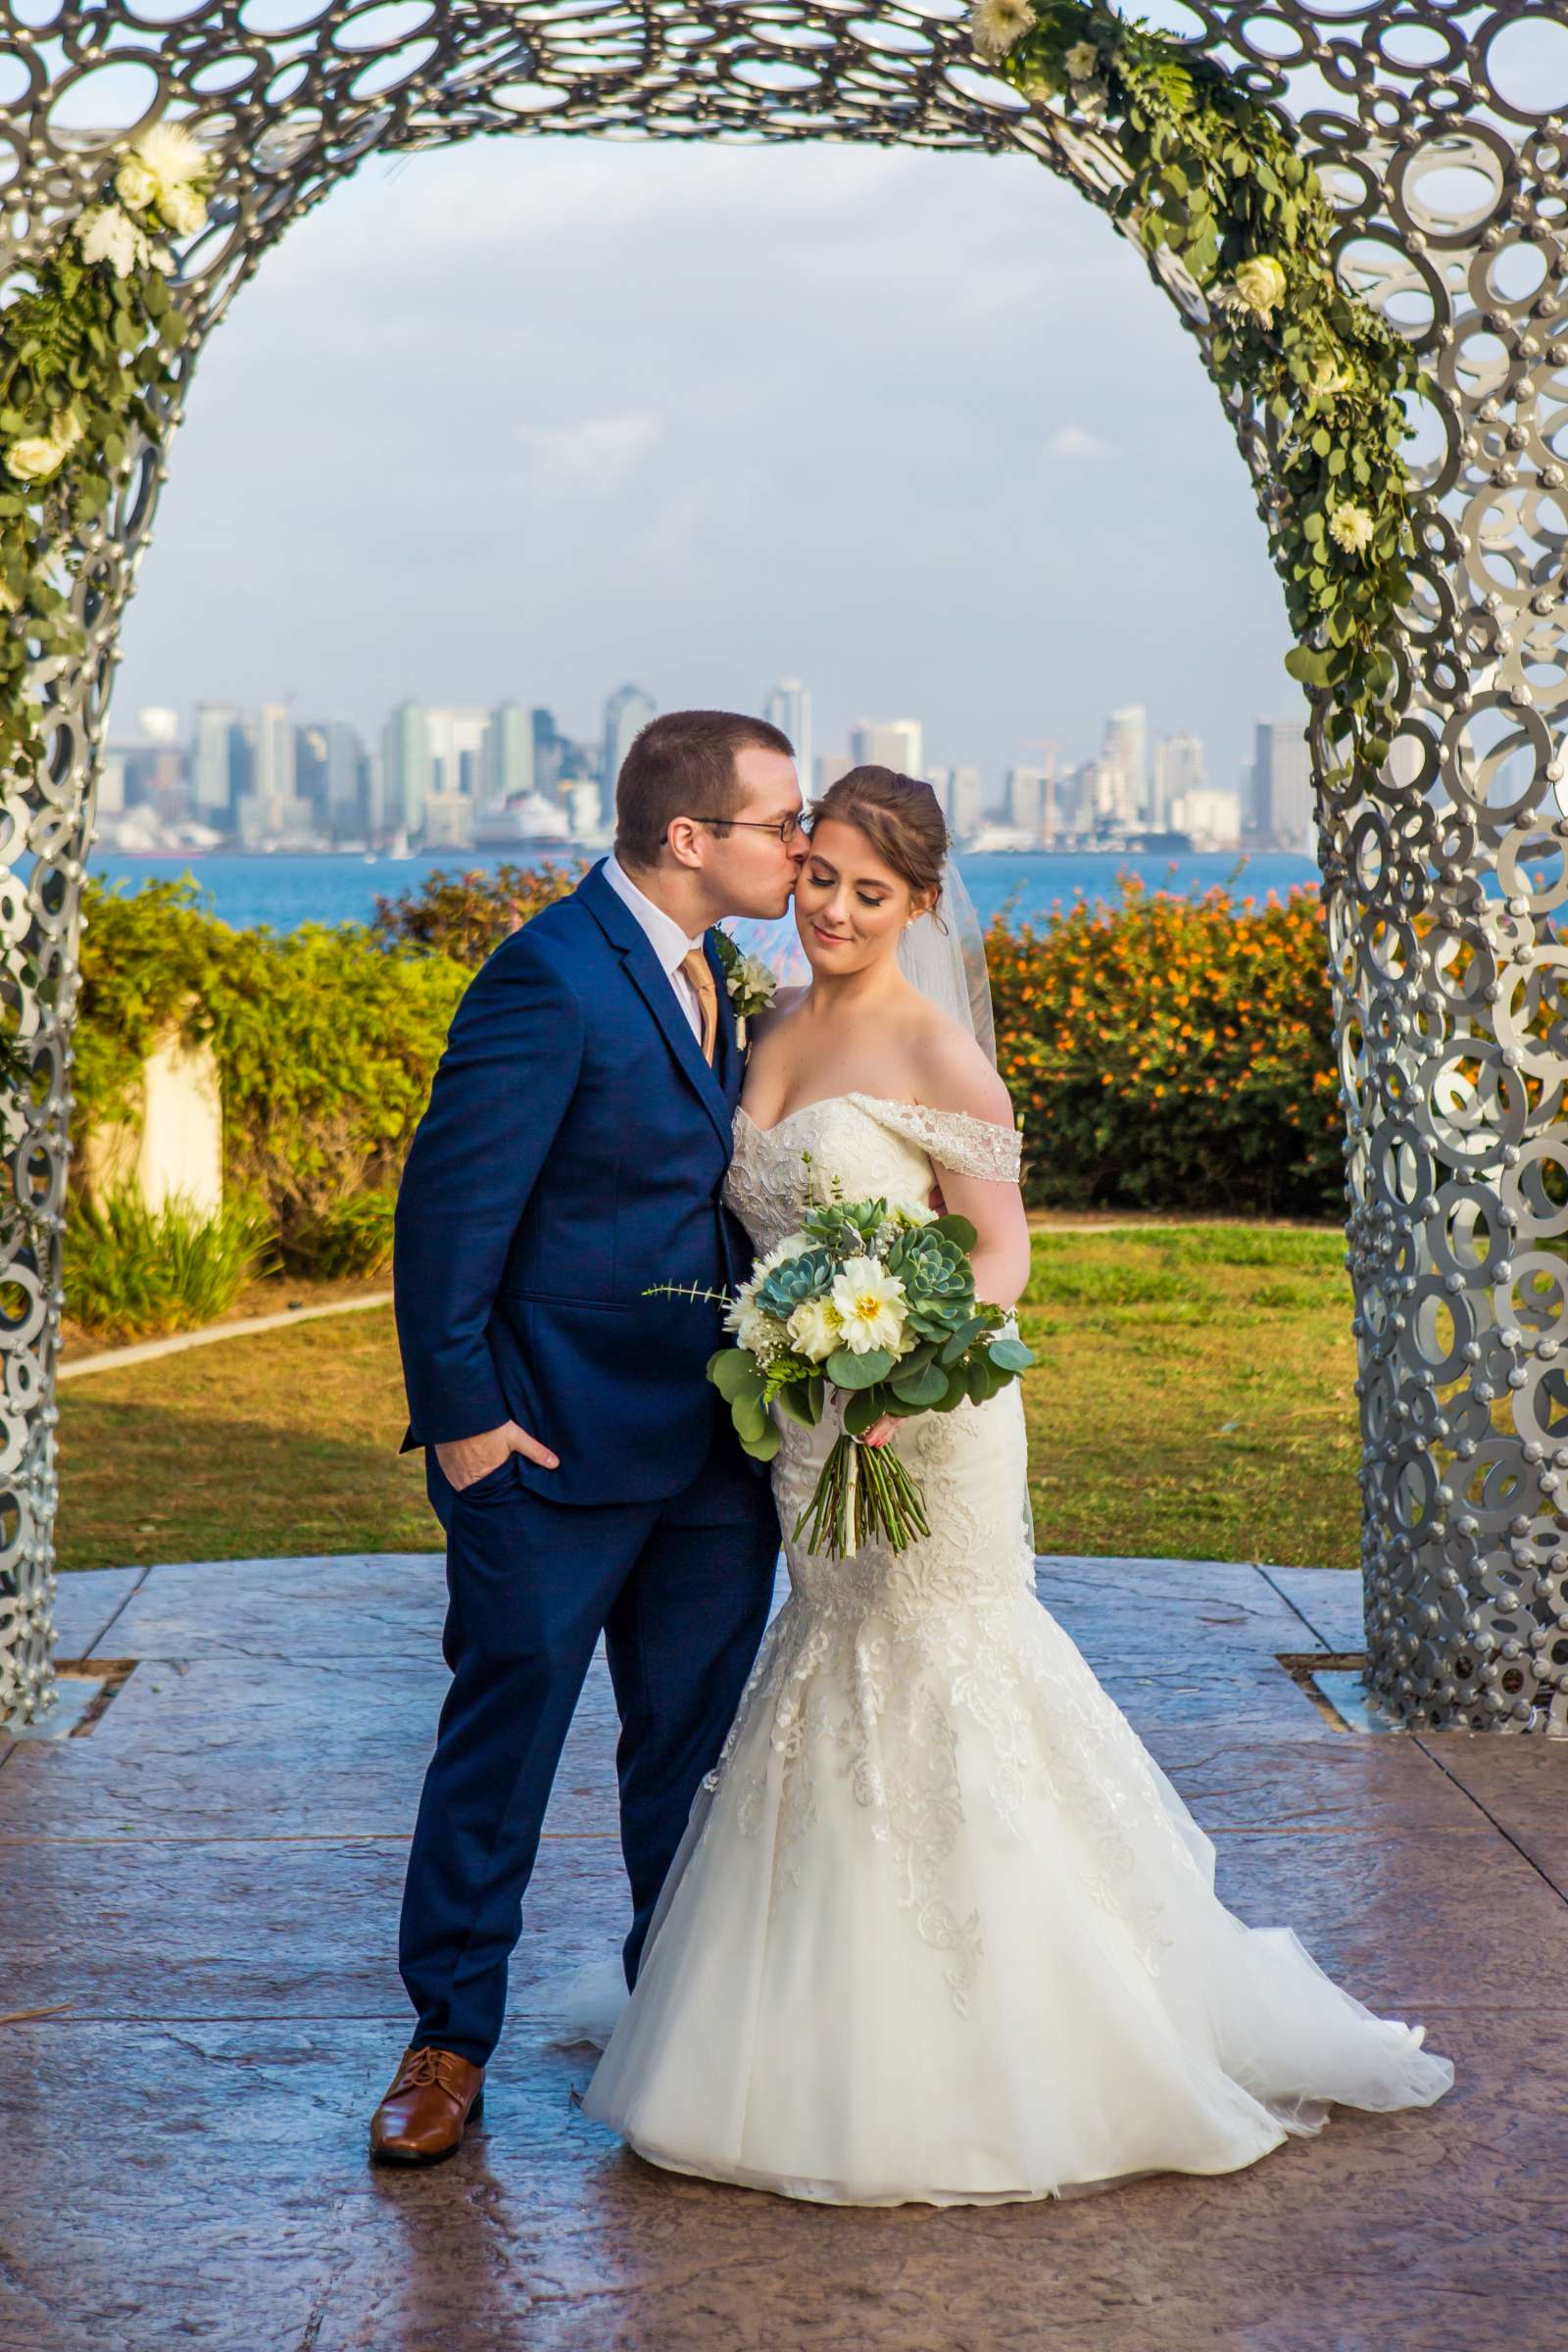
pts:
[940, 1929]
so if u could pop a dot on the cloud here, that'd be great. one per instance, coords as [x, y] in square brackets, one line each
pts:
[709, 415]
[591, 457]
[1073, 441]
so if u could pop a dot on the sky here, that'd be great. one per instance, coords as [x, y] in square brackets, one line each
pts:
[531, 418]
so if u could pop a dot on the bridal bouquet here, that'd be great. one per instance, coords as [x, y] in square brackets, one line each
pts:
[871, 1302]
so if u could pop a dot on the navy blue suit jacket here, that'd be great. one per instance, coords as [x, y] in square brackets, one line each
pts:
[572, 1153]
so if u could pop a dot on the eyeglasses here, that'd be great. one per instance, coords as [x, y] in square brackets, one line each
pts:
[784, 831]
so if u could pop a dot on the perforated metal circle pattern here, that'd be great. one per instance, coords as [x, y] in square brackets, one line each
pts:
[1431, 125]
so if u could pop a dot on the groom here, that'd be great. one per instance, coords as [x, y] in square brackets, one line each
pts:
[586, 1475]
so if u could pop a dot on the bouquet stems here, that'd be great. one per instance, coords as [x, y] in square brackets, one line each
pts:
[863, 1492]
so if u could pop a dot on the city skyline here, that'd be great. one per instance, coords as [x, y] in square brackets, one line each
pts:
[464, 778]
[468, 428]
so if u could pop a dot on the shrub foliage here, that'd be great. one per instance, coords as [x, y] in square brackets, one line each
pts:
[326, 1042]
[1168, 1053]
[1161, 1051]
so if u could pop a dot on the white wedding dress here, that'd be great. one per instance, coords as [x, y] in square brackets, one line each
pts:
[940, 1929]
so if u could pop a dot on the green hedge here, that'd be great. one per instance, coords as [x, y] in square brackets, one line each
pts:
[1162, 1052]
[325, 1043]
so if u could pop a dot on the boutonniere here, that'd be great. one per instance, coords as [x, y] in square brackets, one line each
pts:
[750, 984]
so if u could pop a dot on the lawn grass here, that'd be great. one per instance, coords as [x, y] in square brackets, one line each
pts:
[1193, 1395]
[1194, 1398]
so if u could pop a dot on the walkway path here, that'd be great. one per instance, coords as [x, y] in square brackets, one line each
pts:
[208, 1880]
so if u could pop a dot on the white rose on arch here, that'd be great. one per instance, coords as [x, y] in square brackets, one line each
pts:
[184, 208]
[41, 456]
[1082, 61]
[1257, 286]
[134, 185]
[168, 168]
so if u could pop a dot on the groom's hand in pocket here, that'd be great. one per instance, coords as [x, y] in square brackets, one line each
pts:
[464, 1459]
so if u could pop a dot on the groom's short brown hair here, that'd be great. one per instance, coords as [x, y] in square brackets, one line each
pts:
[683, 765]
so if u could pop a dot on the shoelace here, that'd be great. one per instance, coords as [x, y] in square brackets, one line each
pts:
[422, 2069]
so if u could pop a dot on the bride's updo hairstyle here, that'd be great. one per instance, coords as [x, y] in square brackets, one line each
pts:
[901, 817]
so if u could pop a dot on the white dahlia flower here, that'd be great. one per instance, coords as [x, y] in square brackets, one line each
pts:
[870, 1305]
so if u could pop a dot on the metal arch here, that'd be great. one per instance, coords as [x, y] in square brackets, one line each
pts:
[1449, 1003]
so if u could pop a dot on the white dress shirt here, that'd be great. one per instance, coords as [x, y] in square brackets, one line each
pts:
[664, 936]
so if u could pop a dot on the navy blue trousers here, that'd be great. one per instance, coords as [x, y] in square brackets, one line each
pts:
[681, 1591]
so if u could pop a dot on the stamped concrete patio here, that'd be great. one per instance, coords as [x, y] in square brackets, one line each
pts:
[202, 1887]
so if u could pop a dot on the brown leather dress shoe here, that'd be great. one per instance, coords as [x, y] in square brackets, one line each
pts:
[434, 2097]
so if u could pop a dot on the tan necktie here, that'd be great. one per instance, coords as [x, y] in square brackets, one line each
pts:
[694, 963]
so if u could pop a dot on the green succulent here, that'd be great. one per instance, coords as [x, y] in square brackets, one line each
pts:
[790, 1285]
[938, 1281]
[848, 1228]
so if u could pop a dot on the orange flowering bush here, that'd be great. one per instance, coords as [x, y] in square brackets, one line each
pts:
[1171, 1052]
[466, 915]
[1162, 1051]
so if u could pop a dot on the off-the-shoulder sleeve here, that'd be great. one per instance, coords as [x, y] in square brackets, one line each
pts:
[952, 1139]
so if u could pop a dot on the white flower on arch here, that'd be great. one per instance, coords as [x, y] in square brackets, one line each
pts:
[996, 25]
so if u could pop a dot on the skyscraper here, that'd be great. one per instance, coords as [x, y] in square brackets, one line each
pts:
[1026, 799]
[310, 770]
[1212, 820]
[1283, 804]
[1178, 771]
[548, 749]
[328, 764]
[213, 779]
[626, 711]
[1126, 748]
[965, 811]
[455, 736]
[406, 768]
[789, 706]
[896, 743]
[275, 760]
[505, 757]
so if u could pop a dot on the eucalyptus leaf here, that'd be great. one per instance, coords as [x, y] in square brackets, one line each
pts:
[749, 1418]
[921, 1388]
[864, 1410]
[962, 1340]
[734, 1373]
[847, 1370]
[796, 1404]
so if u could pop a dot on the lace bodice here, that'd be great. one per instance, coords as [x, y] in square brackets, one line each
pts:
[873, 1147]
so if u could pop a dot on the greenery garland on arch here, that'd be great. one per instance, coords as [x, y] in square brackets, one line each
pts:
[1213, 177]
[86, 353]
